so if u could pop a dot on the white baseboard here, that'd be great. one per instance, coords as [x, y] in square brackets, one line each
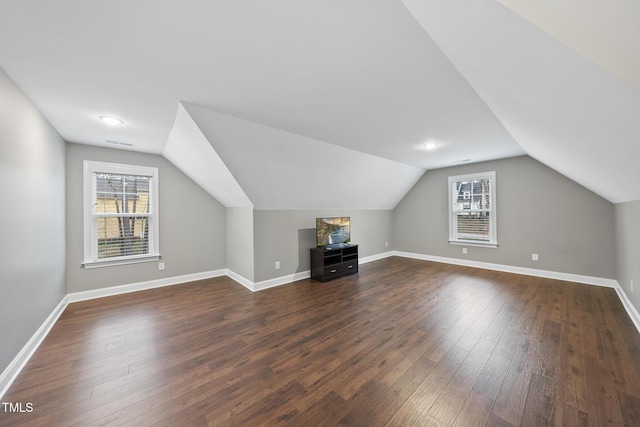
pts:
[577, 278]
[140, 286]
[241, 279]
[569, 277]
[282, 280]
[626, 302]
[18, 363]
[376, 257]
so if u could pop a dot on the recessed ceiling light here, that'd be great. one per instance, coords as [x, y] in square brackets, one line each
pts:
[111, 120]
[430, 146]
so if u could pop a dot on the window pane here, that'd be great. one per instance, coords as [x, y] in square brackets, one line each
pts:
[121, 213]
[473, 194]
[117, 194]
[474, 226]
[122, 236]
[472, 209]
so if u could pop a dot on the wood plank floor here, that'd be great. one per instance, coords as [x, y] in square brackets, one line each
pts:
[404, 342]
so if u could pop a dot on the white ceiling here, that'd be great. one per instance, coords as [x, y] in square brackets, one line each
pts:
[283, 170]
[306, 83]
[563, 110]
[605, 32]
[191, 152]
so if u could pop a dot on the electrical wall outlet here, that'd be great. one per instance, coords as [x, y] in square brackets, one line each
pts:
[161, 266]
[534, 257]
[631, 284]
[277, 265]
[386, 244]
[464, 250]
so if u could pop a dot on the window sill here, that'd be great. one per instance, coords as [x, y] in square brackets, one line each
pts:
[473, 243]
[87, 265]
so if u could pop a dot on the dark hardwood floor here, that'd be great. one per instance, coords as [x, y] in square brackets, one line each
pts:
[403, 343]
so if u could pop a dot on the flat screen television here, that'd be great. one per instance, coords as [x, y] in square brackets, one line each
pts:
[333, 230]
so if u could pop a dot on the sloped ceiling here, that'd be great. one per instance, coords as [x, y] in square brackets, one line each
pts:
[282, 170]
[190, 151]
[273, 93]
[562, 109]
[605, 32]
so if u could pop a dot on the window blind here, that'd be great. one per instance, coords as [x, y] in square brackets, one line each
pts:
[121, 214]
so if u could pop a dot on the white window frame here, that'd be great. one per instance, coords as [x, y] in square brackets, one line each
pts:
[90, 219]
[454, 239]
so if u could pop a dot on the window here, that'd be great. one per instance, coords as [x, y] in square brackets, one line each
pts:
[472, 209]
[120, 214]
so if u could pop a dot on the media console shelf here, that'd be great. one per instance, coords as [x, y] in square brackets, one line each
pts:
[332, 262]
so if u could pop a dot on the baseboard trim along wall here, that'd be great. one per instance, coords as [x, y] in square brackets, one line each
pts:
[376, 257]
[609, 283]
[626, 302]
[18, 363]
[240, 279]
[282, 280]
[568, 277]
[133, 287]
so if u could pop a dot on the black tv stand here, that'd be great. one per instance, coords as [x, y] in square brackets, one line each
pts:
[333, 261]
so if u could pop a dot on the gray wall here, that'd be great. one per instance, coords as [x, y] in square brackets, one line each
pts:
[32, 237]
[287, 236]
[240, 252]
[192, 224]
[539, 211]
[628, 249]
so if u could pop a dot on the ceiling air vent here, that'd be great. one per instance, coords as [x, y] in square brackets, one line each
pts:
[111, 141]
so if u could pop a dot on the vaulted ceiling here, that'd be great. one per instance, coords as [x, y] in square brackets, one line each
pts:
[328, 104]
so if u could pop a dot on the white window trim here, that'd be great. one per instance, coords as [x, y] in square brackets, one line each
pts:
[90, 243]
[493, 238]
